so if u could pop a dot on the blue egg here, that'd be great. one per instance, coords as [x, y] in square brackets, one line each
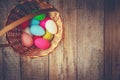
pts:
[37, 30]
[35, 22]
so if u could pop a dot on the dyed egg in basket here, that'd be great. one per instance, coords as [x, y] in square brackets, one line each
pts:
[48, 36]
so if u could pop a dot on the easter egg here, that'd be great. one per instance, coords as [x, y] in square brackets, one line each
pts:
[27, 40]
[27, 30]
[35, 10]
[40, 17]
[37, 30]
[51, 26]
[42, 43]
[42, 23]
[24, 25]
[34, 22]
[48, 36]
[36, 37]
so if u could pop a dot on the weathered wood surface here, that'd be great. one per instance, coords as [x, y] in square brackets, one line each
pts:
[10, 60]
[62, 61]
[89, 50]
[112, 40]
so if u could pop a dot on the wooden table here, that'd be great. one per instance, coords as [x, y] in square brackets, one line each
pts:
[90, 49]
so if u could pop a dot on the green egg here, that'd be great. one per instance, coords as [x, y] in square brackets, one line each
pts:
[40, 17]
[35, 10]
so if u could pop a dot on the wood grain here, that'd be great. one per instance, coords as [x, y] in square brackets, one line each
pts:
[90, 46]
[3, 4]
[34, 69]
[112, 40]
[10, 60]
[2, 16]
[62, 60]
[56, 58]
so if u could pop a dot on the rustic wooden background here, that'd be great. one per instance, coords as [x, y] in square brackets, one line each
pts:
[90, 49]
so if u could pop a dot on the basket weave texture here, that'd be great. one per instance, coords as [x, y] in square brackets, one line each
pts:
[14, 36]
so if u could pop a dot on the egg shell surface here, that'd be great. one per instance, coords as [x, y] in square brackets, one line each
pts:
[42, 23]
[36, 37]
[42, 43]
[51, 26]
[27, 30]
[37, 30]
[24, 25]
[27, 40]
[35, 22]
[48, 36]
[40, 16]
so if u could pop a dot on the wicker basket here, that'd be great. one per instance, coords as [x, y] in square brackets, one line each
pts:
[23, 12]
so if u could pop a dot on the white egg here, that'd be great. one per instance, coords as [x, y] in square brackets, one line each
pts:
[51, 26]
[27, 30]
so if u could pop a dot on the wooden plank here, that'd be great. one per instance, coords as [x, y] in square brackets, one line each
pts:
[1, 63]
[3, 4]
[90, 43]
[10, 64]
[108, 34]
[3, 15]
[34, 69]
[112, 40]
[2, 18]
[62, 60]
[56, 67]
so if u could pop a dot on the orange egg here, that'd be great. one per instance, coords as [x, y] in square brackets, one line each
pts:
[27, 40]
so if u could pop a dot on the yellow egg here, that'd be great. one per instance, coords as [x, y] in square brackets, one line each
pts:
[48, 36]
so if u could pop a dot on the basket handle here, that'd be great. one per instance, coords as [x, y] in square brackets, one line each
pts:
[21, 20]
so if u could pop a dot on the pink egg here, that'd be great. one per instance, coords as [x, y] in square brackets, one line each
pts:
[27, 40]
[42, 23]
[36, 37]
[42, 43]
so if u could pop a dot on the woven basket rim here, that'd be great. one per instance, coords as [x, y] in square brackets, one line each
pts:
[40, 55]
